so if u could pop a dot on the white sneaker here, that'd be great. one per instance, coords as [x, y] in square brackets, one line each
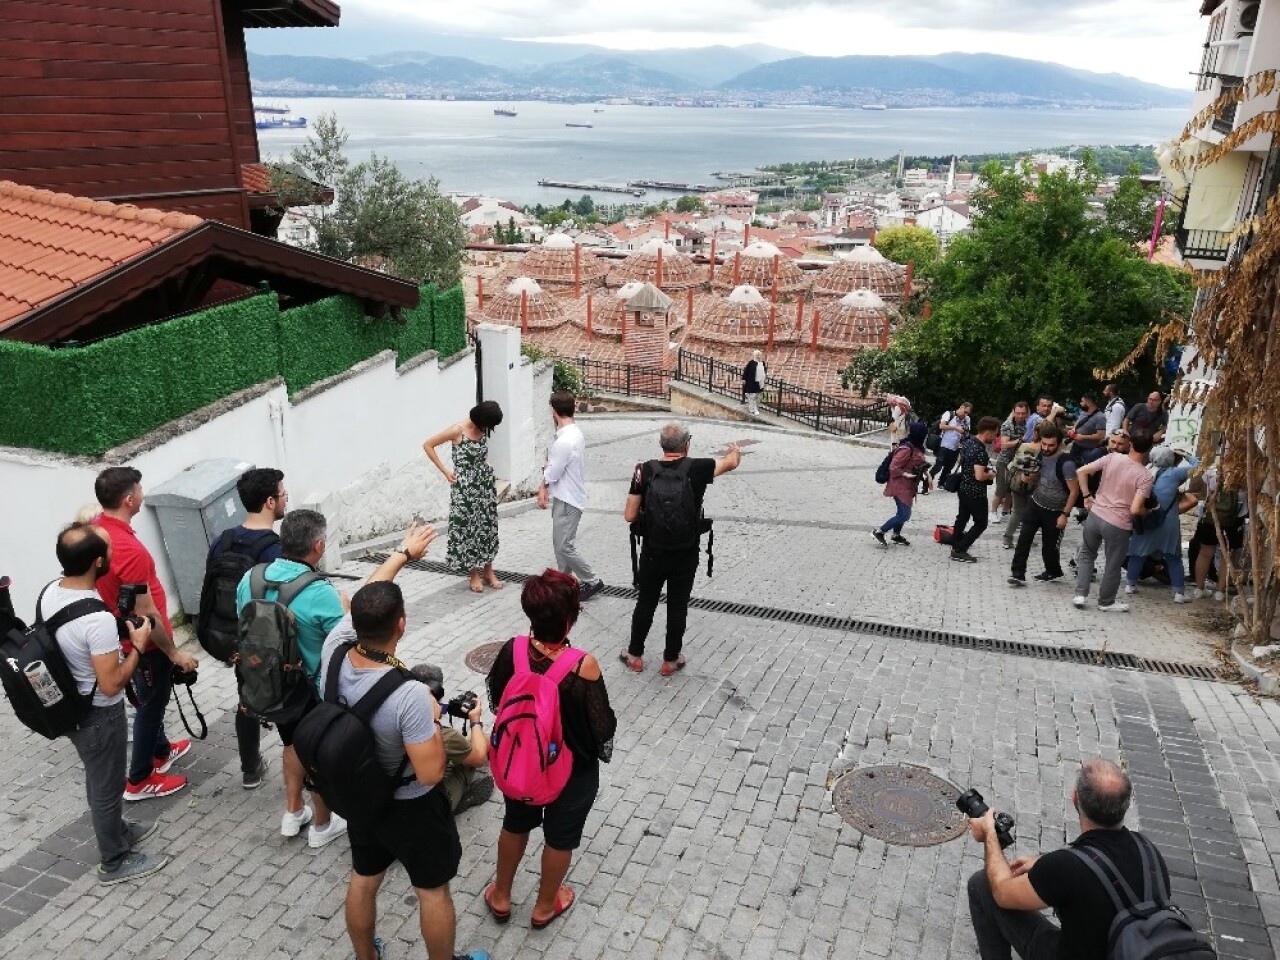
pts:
[1195, 593]
[998, 518]
[1219, 595]
[1130, 589]
[318, 837]
[1079, 602]
[1114, 607]
[291, 824]
[1181, 598]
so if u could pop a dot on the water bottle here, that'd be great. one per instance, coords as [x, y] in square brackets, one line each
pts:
[42, 682]
[552, 749]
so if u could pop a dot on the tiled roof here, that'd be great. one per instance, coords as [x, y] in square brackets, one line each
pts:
[52, 242]
[256, 178]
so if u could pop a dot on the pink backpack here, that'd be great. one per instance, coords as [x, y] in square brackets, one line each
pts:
[530, 761]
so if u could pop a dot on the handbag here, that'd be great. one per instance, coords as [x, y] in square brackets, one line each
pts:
[952, 483]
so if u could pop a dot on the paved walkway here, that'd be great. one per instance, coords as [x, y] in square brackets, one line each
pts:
[714, 833]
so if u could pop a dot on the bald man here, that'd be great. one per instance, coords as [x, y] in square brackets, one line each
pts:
[1005, 899]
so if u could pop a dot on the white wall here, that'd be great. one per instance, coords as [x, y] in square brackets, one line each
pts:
[351, 445]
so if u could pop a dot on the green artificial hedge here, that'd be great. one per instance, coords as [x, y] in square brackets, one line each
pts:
[85, 400]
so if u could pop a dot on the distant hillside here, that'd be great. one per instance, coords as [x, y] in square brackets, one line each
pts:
[600, 76]
[909, 80]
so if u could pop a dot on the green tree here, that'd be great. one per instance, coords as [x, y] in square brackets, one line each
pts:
[553, 218]
[585, 206]
[1131, 209]
[907, 244]
[378, 216]
[1037, 296]
[691, 204]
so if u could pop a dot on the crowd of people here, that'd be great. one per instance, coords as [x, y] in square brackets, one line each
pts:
[1110, 469]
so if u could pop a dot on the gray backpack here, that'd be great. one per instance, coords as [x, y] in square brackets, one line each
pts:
[274, 684]
[1152, 927]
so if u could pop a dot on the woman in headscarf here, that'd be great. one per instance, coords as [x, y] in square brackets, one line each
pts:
[1162, 528]
[905, 470]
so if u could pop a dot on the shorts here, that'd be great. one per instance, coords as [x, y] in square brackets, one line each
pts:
[561, 820]
[419, 833]
[287, 730]
[1207, 536]
[1002, 478]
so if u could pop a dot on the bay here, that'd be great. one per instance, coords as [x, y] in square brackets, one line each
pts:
[470, 150]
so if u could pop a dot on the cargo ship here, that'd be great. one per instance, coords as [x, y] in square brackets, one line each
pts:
[280, 123]
[504, 112]
[587, 126]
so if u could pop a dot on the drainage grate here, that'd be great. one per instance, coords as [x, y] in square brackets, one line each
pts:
[946, 638]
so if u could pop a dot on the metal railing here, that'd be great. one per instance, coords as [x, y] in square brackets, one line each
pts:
[1203, 244]
[625, 379]
[1225, 121]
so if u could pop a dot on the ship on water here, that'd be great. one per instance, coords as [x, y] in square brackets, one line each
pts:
[874, 106]
[280, 123]
[504, 112]
[587, 126]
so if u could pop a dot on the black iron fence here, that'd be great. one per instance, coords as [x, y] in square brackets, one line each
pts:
[625, 379]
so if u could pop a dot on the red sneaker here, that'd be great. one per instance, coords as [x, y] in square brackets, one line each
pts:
[177, 748]
[156, 785]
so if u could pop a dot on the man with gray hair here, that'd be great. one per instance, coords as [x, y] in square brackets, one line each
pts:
[1005, 898]
[664, 507]
[317, 608]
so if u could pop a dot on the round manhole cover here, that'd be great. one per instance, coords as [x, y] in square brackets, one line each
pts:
[481, 658]
[903, 804]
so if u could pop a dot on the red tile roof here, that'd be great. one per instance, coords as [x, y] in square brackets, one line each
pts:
[51, 242]
[256, 178]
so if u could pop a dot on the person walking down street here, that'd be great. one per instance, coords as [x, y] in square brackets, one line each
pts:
[753, 377]
[975, 475]
[1161, 534]
[1122, 495]
[552, 604]
[473, 501]
[564, 488]
[1019, 492]
[899, 417]
[1008, 440]
[906, 467]
[1151, 417]
[665, 502]
[1052, 500]
[954, 427]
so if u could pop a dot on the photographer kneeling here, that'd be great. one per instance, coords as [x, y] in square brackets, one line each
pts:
[1004, 898]
[464, 753]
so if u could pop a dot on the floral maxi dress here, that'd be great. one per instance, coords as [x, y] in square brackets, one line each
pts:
[473, 507]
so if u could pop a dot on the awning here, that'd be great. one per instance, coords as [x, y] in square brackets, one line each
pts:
[1213, 198]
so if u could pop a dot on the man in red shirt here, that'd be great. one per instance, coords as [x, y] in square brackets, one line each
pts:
[119, 491]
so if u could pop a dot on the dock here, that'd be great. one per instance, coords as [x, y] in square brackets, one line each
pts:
[592, 187]
[672, 186]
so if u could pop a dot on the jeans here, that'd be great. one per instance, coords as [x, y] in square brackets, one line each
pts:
[1098, 532]
[564, 531]
[945, 463]
[101, 741]
[971, 508]
[248, 741]
[1020, 501]
[677, 571]
[899, 519]
[152, 682]
[998, 930]
[1172, 562]
[1045, 521]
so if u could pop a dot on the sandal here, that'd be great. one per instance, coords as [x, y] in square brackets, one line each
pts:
[499, 916]
[670, 667]
[634, 664]
[561, 907]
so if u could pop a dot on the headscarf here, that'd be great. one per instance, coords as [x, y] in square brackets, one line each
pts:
[1162, 457]
[917, 432]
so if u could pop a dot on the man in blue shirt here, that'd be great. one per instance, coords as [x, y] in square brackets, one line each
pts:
[317, 609]
[1044, 405]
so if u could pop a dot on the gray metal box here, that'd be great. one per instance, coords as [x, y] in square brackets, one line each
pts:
[193, 509]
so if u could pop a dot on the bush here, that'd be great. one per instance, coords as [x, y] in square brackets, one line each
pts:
[565, 375]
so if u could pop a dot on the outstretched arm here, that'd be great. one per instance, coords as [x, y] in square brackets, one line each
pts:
[730, 460]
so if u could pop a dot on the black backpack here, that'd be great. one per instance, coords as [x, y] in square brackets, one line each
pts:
[272, 678]
[218, 624]
[1151, 927]
[672, 518]
[336, 746]
[19, 649]
[882, 471]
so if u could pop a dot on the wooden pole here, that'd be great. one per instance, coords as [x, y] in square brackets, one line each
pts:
[884, 332]
[813, 337]
[737, 268]
[666, 233]
[712, 276]
[624, 327]
[658, 282]
[577, 271]
[800, 312]
[524, 312]
[911, 273]
[689, 310]
[773, 316]
[774, 281]
[746, 234]
[479, 293]
[590, 330]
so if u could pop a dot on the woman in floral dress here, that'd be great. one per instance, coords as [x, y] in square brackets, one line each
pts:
[473, 499]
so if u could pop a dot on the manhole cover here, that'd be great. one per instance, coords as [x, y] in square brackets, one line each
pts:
[481, 658]
[903, 804]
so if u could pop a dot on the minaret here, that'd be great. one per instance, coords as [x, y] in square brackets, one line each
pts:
[951, 177]
[902, 163]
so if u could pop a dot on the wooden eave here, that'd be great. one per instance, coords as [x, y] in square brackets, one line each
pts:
[288, 13]
[231, 254]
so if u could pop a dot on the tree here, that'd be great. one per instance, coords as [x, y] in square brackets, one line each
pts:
[553, 218]
[1131, 209]
[910, 244]
[585, 206]
[1036, 297]
[691, 204]
[379, 217]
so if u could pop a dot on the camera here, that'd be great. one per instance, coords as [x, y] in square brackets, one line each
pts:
[971, 804]
[125, 603]
[183, 678]
[462, 705]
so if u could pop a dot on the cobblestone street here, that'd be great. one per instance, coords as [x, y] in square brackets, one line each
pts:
[714, 834]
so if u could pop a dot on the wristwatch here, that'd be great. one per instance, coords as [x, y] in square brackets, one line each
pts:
[407, 555]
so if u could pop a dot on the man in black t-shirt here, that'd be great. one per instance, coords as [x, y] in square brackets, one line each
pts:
[1150, 416]
[1004, 898]
[672, 564]
[975, 475]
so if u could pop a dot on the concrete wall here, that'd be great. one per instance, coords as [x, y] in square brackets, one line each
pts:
[690, 401]
[350, 446]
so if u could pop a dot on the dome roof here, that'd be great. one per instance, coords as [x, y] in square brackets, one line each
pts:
[523, 295]
[754, 266]
[742, 317]
[679, 272]
[864, 268]
[558, 241]
[610, 308]
[551, 263]
[761, 248]
[858, 319]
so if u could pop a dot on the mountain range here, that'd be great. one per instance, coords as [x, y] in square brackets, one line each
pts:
[484, 68]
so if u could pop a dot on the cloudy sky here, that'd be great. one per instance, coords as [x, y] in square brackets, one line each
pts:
[1155, 40]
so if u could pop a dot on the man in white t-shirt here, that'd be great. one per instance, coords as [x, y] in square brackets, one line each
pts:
[953, 428]
[1115, 408]
[99, 663]
[564, 487]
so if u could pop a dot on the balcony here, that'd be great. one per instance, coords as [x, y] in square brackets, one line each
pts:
[1225, 121]
[1203, 244]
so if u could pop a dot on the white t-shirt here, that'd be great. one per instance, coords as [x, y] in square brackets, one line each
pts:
[1116, 411]
[83, 638]
[565, 473]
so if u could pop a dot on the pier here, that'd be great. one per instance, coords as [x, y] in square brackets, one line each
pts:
[672, 186]
[592, 187]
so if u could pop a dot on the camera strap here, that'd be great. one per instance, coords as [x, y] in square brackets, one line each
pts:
[204, 727]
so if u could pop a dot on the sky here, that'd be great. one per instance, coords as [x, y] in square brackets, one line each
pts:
[1154, 40]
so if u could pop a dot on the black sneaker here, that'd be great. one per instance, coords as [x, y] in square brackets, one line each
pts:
[879, 537]
[1048, 577]
[900, 540]
[1016, 581]
[481, 789]
[963, 556]
[589, 590]
[253, 779]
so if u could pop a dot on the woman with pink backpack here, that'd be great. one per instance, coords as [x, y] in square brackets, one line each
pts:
[552, 727]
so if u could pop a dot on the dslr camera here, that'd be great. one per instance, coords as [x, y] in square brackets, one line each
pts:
[460, 706]
[126, 601]
[971, 804]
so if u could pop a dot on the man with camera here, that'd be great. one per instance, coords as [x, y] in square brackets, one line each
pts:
[92, 648]
[464, 753]
[1005, 898]
[132, 588]
[418, 830]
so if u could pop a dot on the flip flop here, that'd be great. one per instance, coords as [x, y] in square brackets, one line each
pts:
[634, 664]
[560, 908]
[499, 916]
[668, 668]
